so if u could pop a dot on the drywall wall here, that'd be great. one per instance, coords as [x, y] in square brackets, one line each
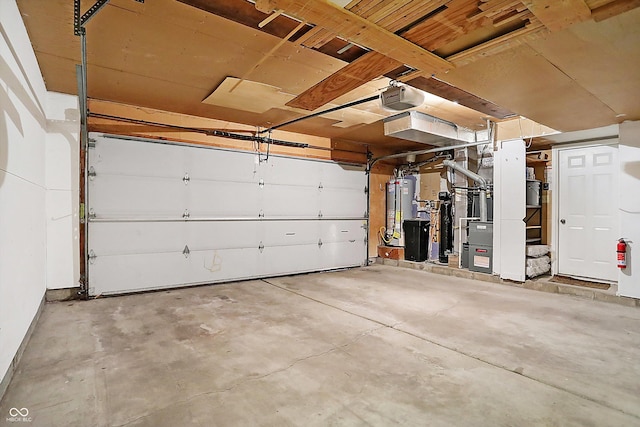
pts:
[62, 184]
[629, 182]
[22, 185]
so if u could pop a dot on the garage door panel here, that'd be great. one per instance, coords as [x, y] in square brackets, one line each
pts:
[114, 196]
[221, 165]
[139, 272]
[290, 233]
[211, 266]
[335, 175]
[290, 201]
[112, 274]
[343, 231]
[211, 235]
[215, 199]
[246, 219]
[285, 170]
[114, 238]
[340, 202]
[113, 156]
[342, 254]
[278, 260]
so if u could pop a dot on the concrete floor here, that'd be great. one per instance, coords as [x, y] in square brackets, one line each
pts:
[376, 346]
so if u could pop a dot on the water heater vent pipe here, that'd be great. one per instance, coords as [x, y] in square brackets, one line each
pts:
[482, 183]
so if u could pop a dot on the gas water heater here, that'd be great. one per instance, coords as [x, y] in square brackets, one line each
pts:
[400, 206]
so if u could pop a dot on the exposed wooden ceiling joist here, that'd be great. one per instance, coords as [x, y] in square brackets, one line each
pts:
[446, 91]
[352, 76]
[357, 29]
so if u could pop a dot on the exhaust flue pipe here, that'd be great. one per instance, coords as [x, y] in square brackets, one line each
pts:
[482, 183]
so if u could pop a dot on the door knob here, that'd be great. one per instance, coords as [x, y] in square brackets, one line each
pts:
[562, 221]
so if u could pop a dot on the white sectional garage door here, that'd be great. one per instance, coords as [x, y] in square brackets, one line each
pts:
[165, 215]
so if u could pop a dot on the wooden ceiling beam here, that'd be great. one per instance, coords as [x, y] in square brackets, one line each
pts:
[358, 30]
[557, 15]
[517, 37]
[353, 75]
[447, 91]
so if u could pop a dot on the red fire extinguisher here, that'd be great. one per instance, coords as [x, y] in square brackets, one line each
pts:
[622, 254]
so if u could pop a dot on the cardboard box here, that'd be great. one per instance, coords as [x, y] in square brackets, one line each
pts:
[453, 261]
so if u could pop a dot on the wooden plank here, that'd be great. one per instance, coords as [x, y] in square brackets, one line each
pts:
[499, 44]
[614, 8]
[269, 18]
[447, 91]
[315, 38]
[496, 9]
[514, 16]
[557, 15]
[357, 29]
[405, 17]
[353, 75]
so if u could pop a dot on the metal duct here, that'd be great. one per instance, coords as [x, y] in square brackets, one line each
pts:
[482, 183]
[420, 127]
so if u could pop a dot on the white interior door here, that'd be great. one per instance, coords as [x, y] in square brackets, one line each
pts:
[166, 215]
[510, 208]
[588, 212]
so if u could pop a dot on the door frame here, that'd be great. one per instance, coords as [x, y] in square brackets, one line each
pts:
[612, 140]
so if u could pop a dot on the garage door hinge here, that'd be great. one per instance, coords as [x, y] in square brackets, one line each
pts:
[186, 214]
[366, 190]
[92, 256]
[319, 243]
[186, 179]
[320, 187]
[92, 143]
[261, 183]
[186, 251]
[92, 173]
[320, 214]
[261, 214]
[261, 247]
[92, 214]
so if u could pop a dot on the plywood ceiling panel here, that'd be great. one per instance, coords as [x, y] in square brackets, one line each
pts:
[587, 51]
[523, 80]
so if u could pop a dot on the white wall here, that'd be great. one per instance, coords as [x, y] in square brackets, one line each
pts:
[62, 183]
[629, 182]
[22, 184]
[38, 186]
